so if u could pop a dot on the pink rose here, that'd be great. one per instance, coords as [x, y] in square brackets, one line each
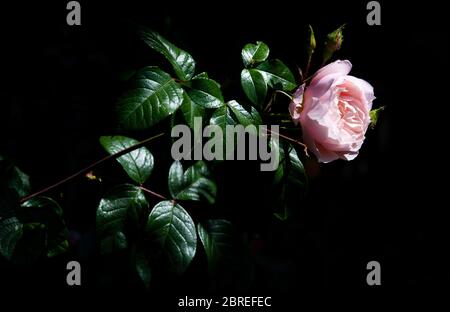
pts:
[333, 112]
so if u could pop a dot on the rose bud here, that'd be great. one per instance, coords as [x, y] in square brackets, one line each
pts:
[333, 43]
[312, 41]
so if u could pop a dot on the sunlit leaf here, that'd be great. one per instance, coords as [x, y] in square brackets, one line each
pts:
[152, 96]
[173, 229]
[182, 62]
[193, 184]
[138, 164]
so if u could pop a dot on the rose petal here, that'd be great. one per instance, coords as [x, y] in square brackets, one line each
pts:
[294, 111]
[324, 155]
[365, 87]
[296, 104]
[349, 155]
[297, 97]
[337, 67]
[319, 87]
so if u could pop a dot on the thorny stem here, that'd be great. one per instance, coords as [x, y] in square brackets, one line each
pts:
[88, 168]
[305, 148]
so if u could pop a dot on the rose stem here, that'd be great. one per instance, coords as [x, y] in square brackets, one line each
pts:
[84, 170]
[305, 148]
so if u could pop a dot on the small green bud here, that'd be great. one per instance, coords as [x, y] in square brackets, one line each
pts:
[312, 41]
[374, 114]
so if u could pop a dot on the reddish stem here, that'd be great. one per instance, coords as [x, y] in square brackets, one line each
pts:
[152, 192]
[305, 148]
[88, 168]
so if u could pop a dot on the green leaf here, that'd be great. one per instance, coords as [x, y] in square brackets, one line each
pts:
[58, 249]
[172, 227]
[138, 163]
[291, 177]
[123, 204]
[9, 202]
[277, 74]
[201, 75]
[182, 62]
[234, 113]
[222, 117]
[32, 245]
[114, 242]
[11, 230]
[297, 176]
[47, 212]
[31, 230]
[176, 178]
[205, 92]
[194, 184]
[244, 117]
[20, 182]
[191, 110]
[216, 237]
[279, 160]
[143, 268]
[290, 167]
[45, 205]
[13, 177]
[271, 73]
[254, 53]
[153, 96]
[254, 85]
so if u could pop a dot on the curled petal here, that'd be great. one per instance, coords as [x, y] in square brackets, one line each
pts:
[339, 67]
[296, 104]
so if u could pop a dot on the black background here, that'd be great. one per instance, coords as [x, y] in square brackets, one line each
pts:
[59, 88]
